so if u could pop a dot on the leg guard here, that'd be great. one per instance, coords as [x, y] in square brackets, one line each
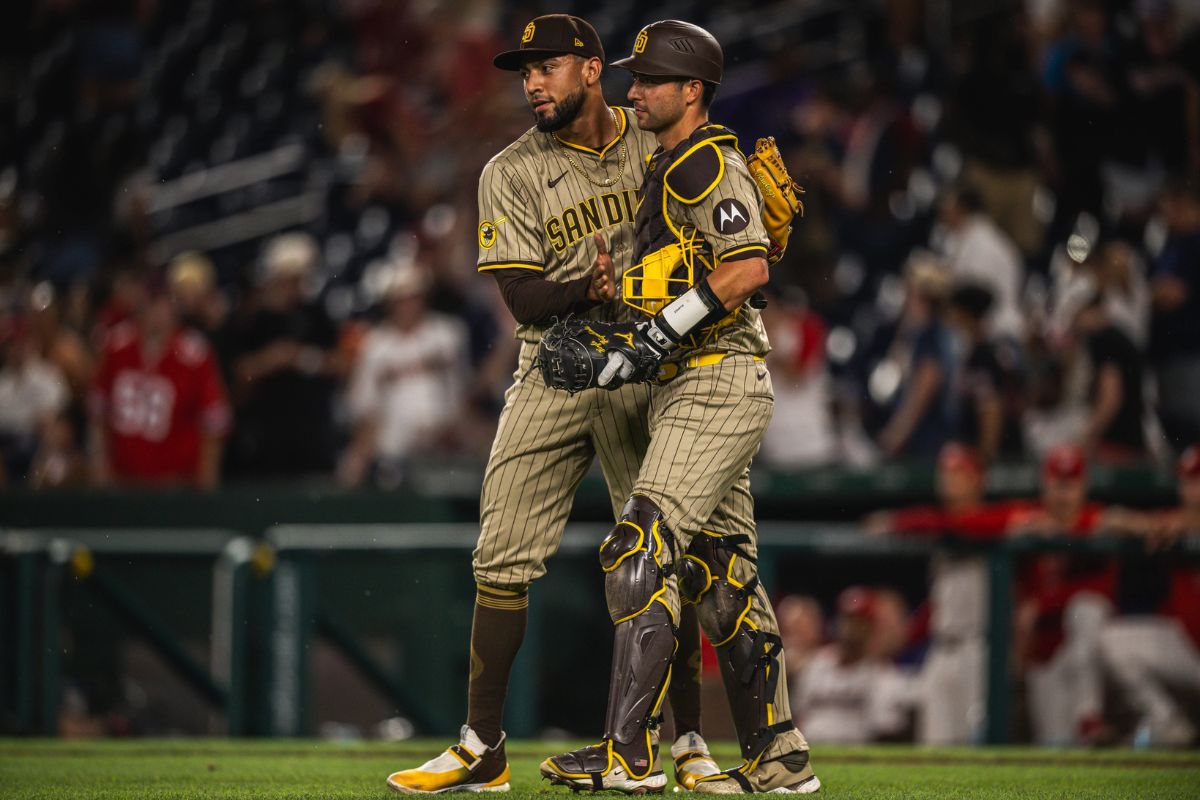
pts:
[635, 581]
[750, 669]
[720, 578]
[636, 563]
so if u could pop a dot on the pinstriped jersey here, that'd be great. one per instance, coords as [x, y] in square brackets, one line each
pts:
[537, 211]
[704, 185]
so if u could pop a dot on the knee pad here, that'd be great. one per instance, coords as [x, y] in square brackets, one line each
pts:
[632, 557]
[719, 578]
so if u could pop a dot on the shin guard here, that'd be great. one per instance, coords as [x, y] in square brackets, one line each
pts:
[721, 579]
[644, 639]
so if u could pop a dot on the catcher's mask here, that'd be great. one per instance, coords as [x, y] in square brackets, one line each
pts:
[663, 275]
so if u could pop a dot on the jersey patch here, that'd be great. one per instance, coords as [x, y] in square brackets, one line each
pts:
[487, 234]
[695, 173]
[730, 216]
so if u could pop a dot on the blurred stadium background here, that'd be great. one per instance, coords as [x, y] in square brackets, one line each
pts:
[1001, 249]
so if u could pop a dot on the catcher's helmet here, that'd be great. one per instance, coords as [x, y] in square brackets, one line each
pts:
[671, 48]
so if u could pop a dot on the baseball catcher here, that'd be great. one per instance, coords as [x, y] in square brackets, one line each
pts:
[686, 538]
[579, 354]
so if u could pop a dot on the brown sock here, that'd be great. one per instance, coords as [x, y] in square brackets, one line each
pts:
[496, 634]
[684, 691]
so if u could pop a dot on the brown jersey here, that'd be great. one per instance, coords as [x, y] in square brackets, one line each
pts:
[538, 209]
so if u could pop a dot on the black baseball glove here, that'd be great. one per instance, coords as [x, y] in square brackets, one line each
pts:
[578, 354]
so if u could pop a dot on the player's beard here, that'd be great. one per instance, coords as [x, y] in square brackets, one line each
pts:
[565, 112]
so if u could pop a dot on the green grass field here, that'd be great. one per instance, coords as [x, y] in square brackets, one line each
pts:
[316, 770]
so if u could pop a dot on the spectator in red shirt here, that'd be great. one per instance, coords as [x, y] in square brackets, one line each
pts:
[950, 690]
[960, 511]
[1063, 602]
[1154, 661]
[124, 295]
[1049, 581]
[158, 408]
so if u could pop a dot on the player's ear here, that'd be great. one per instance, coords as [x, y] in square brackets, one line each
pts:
[592, 67]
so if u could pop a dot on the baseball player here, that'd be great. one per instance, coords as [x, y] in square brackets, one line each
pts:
[951, 689]
[701, 252]
[556, 214]
[1153, 661]
[849, 692]
[1063, 601]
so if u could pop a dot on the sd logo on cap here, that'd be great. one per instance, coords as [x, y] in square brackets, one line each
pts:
[552, 35]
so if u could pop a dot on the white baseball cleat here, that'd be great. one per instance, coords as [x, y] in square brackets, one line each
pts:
[469, 766]
[789, 773]
[598, 768]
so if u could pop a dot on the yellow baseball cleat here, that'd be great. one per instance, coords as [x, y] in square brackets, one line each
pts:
[469, 766]
[692, 761]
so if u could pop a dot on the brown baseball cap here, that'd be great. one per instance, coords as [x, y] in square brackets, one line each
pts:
[553, 35]
[671, 48]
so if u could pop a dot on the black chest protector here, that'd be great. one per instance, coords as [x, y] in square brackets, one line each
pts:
[689, 172]
[666, 251]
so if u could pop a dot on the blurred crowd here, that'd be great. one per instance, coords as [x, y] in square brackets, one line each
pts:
[236, 239]
[1105, 648]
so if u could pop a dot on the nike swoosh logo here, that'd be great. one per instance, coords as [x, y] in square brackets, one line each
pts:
[550, 184]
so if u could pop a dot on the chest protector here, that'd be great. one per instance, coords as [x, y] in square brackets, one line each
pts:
[668, 252]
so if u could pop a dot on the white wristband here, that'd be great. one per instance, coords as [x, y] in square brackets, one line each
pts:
[686, 312]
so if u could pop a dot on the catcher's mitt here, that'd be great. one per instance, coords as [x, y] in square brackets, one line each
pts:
[781, 194]
[573, 352]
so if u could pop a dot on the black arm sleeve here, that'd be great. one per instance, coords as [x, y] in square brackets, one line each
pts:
[533, 300]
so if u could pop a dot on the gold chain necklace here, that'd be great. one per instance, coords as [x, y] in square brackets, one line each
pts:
[623, 156]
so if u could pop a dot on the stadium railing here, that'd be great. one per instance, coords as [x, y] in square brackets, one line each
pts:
[307, 527]
[449, 492]
[42, 561]
[298, 612]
